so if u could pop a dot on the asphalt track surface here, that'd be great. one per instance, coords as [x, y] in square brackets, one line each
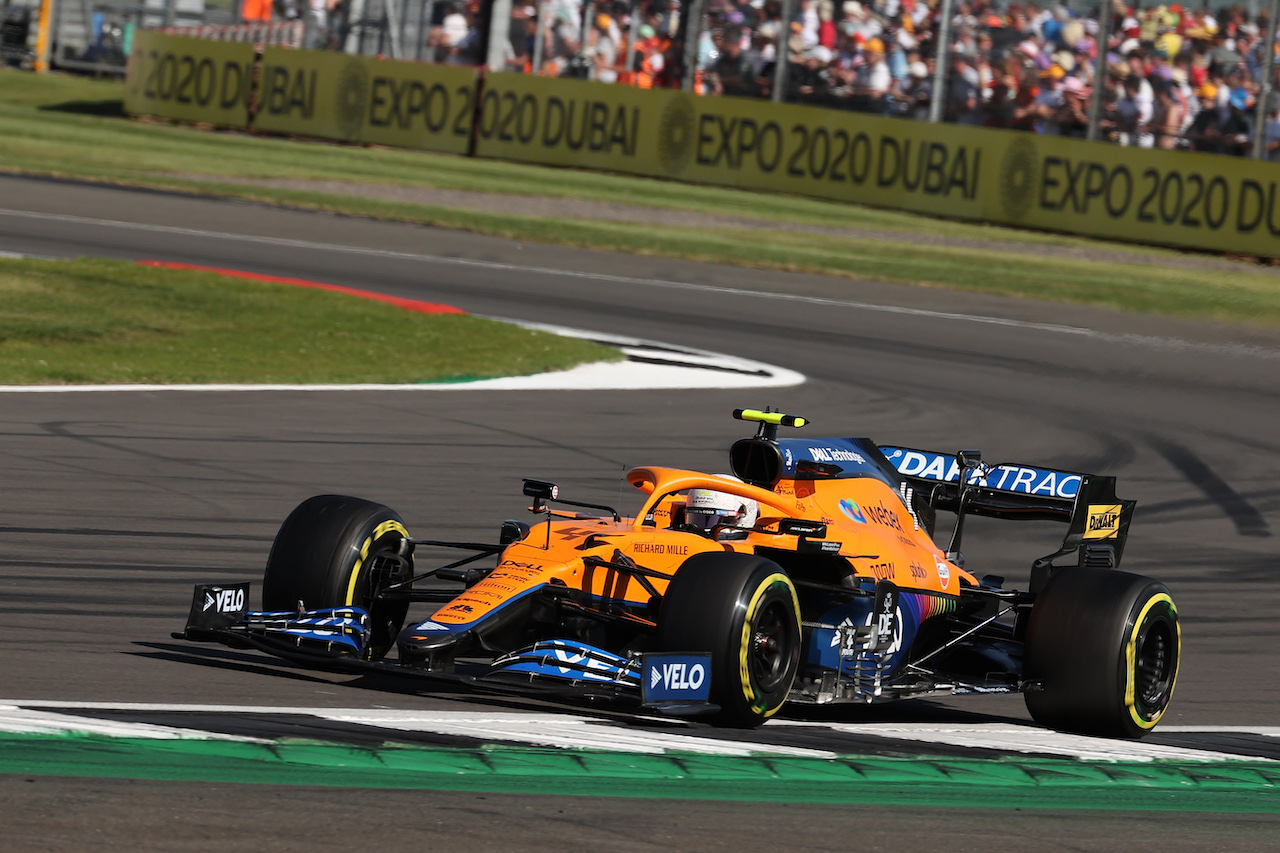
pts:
[113, 504]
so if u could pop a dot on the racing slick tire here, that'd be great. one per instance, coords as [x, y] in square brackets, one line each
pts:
[745, 612]
[1102, 653]
[336, 551]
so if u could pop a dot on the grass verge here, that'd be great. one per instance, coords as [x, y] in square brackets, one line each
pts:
[60, 125]
[114, 322]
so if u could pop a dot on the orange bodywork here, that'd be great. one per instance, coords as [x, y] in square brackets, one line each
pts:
[867, 523]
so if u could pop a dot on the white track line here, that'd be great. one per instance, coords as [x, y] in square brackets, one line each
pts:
[564, 731]
[1138, 340]
[1030, 740]
[573, 731]
[601, 376]
[650, 365]
[690, 368]
[18, 720]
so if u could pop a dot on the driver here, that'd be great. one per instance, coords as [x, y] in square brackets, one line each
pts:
[707, 509]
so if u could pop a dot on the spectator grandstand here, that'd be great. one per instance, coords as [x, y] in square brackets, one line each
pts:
[1173, 77]
[1163, 76]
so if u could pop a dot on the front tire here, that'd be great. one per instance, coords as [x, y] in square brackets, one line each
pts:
[745, 612]
[336, 551]
[1103, 646]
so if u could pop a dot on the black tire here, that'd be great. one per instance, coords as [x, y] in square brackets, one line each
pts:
[1104, 647]
[745, 612]
[327, 554]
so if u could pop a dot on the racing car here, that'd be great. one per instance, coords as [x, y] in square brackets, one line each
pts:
[808, 576]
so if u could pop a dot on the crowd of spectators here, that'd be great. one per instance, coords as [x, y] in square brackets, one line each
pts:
[1174, 77]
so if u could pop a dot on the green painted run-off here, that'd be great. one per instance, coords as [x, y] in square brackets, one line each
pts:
[1244, 786]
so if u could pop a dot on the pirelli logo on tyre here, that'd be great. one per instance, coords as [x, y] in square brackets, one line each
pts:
[1104, 521]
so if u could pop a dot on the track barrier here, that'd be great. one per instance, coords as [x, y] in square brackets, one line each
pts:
[190, 79]
[361, 99]
[1174, 198]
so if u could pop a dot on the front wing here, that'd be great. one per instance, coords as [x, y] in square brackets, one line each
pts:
[336, 639]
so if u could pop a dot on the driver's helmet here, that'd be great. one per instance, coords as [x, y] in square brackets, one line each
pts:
[708, 509]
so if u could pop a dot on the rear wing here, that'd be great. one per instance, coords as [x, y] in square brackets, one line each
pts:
[1098, 521]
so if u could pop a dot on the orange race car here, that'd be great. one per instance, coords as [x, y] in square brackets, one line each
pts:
[808, 576]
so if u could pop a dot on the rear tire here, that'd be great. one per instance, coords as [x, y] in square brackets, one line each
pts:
[335, 551]
[1105, 647]
[745, 612]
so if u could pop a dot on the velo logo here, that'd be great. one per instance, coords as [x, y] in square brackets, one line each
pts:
[678, 676]
[224, 600]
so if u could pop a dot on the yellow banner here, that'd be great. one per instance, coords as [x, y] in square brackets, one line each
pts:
[833, 154]
[360, 99]
[189, 79]
[731, 141]
[1174, 198]
[1178, 199]
[566, 122]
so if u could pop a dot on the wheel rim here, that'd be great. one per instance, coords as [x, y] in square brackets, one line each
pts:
[1154, 665]
[382, 568]
[770, 656]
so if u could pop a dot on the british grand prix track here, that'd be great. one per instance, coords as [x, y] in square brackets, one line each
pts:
[114, 503]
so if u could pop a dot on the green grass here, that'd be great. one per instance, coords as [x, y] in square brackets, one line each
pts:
[59, 124]
[70, 126]
[108, 322]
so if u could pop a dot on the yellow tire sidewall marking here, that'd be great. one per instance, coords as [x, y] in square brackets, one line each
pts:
[378, 532]
[744, 648]
[1131, 655]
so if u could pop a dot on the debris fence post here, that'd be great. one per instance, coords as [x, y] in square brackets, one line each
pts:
[692, 27]
[942, 59]
[44, 36]
[782, 61]
[1106, 16]
[1265, 85]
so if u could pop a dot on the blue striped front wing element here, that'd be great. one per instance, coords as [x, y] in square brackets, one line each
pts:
[341, 626]
[568, 660]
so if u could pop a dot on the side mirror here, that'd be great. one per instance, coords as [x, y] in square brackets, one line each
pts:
[512, 531]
